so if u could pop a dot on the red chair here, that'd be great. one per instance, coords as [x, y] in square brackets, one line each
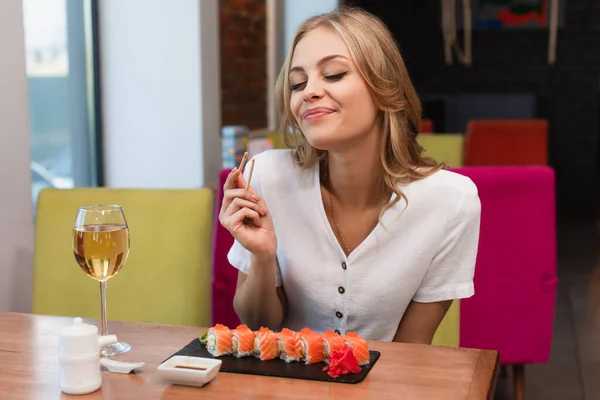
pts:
[512, 310]
[506, 142]
[426, 126]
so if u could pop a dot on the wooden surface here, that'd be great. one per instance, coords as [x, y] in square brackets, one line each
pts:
[29, 368]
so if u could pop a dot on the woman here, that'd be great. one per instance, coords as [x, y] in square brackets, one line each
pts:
[352, 229]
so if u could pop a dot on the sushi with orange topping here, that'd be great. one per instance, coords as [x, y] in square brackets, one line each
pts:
[305, 346]
[219, 340]
[332, 341]
[242, 341]
[311, 346]
[265, 344]
[289, 345]
[359, 347]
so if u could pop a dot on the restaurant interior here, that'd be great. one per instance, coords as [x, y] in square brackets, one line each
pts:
[149, 104]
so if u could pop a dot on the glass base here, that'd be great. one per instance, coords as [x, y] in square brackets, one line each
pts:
[115, 348]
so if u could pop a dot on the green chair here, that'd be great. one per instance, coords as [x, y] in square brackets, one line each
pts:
[448, 332]
[445, 147]
[167, 277]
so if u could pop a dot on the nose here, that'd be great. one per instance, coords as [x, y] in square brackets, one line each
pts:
[313, 90]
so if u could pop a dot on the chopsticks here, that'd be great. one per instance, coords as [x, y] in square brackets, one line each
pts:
[243, 162]
[250, 177]
[191, 367]
[241, 168]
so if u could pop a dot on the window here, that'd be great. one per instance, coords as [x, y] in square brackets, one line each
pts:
[61, 59]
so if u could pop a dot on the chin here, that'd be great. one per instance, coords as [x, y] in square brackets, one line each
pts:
[320, 144]
[321, 140]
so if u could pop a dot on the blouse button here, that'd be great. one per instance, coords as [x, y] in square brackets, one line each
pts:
[341, 290]
[336, 331]
[339, 314]
[344, 266]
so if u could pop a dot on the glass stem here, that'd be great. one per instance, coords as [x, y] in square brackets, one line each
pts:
[104, 330]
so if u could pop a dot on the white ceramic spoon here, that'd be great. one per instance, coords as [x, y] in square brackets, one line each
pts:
[120, 367]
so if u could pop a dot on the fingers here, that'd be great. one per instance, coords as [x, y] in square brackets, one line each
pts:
[232, 179]
[236, 197]
[239, 202]
[237, 219]
[240, 193]
[240, 182]
[235, 179]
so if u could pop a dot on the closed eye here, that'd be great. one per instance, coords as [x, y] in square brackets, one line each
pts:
[336, 76]
[297, 86]
[332, 78]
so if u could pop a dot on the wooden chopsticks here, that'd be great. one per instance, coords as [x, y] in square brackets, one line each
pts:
[241, 168]
[191, 367]
[250, 177]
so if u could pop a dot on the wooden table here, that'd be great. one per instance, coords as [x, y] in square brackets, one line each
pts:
[29, 368]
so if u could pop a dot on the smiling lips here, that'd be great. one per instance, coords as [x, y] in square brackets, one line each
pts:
[317, 113]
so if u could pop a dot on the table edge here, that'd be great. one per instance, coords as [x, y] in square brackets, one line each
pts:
[486, 357]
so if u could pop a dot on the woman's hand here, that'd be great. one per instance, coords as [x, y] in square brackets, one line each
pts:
[245, 216]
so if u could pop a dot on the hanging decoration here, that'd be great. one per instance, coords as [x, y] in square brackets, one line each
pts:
[490, 14]
[553, 32]
[449, 30]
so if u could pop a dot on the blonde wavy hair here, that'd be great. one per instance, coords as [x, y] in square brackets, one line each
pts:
[379, 62]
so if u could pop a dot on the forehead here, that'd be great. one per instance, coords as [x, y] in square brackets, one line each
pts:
[315, 45]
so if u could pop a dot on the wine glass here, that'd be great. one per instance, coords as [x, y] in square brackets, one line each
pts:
[101, 246]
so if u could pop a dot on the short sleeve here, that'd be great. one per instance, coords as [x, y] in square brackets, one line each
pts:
[238, 256]
[450, 274]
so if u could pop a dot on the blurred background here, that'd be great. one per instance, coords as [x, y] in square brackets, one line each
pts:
[166, 94]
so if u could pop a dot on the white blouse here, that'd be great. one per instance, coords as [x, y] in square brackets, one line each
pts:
[425, 252]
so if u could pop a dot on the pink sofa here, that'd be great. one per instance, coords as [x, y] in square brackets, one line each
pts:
[515, 276]
[512, 310]
[224, 275]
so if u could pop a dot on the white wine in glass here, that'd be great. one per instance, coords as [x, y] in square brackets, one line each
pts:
[101, 247]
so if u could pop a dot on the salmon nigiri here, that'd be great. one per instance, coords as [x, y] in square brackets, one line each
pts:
[218, 340]
[312, 346]
[332, 342]
[265, 344]
[242, 341]
[290, 348]
[359, 347]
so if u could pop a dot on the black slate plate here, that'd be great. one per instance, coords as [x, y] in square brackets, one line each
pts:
[297, 370]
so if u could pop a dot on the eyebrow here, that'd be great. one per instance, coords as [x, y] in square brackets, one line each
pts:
[320, 62]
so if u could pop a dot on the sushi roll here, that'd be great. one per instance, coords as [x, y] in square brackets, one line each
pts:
[242, 341]
[311, 346]
[289, 346]
[265, 344]
[359, 347]
[332, 342]
[219, 340]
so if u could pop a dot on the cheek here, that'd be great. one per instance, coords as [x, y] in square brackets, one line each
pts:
[295, 104]
[358, 105]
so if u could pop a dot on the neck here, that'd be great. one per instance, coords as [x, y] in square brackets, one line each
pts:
[355, 174]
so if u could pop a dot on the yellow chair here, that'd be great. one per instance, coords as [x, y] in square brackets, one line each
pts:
[448, 332]
[167, 277]
[274, 137]
[446, 147]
